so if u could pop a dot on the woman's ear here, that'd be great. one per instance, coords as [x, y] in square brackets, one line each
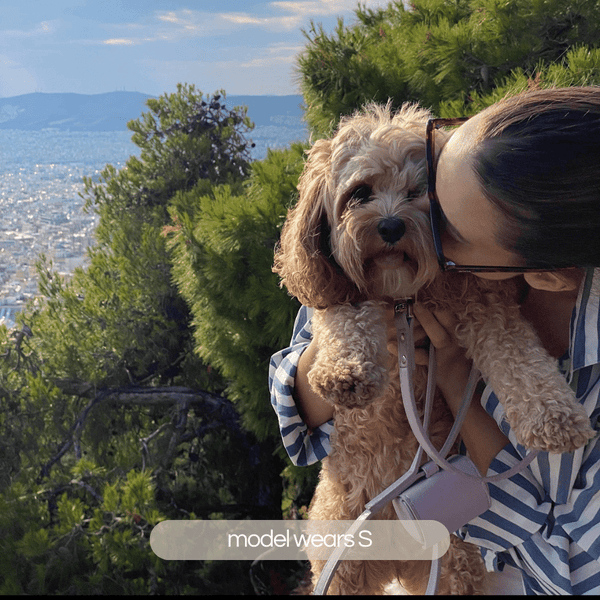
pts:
[564, 280]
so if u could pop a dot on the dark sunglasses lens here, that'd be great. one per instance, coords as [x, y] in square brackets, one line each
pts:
[436, 218]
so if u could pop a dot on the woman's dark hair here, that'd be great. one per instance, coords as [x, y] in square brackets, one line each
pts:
[538, 159]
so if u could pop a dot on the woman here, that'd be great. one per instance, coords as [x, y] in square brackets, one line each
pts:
[517, 186]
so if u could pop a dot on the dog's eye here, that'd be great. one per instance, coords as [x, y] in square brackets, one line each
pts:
[416, 193]
[361, 194]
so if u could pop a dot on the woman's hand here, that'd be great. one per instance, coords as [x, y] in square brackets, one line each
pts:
[313, 409]
[453, 367]
[480, 433]
[436, 329]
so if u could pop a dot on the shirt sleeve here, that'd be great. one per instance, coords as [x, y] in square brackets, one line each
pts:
[304, 446]
[545, 520]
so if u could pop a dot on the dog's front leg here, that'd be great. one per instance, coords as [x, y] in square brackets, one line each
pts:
[539, 405]
[350, 367]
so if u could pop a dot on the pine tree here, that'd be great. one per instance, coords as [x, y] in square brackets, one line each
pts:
[185, 141]
[447, 54]
[223, 244]
[110, 421]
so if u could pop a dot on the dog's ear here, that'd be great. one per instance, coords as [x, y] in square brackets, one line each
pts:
[303, 256]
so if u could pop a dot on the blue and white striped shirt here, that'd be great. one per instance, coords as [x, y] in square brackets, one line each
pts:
[545, 520]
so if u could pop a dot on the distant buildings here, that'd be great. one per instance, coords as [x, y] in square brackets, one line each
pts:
[42, 213]
[41, 174]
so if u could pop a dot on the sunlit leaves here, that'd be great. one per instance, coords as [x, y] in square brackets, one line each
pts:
[444, 53]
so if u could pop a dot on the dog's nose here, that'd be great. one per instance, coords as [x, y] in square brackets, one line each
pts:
[391, 229]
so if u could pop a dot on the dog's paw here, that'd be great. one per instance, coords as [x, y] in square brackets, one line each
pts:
[562, 429]
[349, 384]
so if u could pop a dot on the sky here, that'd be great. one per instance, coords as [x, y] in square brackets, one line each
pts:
[96, 46]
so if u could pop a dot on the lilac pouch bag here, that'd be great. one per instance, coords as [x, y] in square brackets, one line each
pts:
[445, 496]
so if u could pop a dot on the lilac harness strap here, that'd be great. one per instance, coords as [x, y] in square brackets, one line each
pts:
[411, 494]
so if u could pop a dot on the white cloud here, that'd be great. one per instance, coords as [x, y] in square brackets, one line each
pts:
[300, 12]
[277, 23]
[271, 62]
[250, 65]
[43, 28]
[173, 17]
[324, 7]
[174, 25]
[121, 42]
[277, 54]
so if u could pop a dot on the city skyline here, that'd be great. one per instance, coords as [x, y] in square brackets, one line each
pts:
[246, 47]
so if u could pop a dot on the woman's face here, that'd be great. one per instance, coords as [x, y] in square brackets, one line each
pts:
[469, 237]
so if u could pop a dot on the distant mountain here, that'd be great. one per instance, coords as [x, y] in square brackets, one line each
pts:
[112, 111]
[74, 112]
[278, 119]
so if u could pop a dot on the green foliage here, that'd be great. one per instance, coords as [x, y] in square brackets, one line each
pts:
[186, 141]
[444, 53]
[87, 544]
[107, 417]
[341, 71]
[88, 479]
[223, 244]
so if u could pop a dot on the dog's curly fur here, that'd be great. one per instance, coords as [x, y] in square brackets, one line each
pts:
[351, 245]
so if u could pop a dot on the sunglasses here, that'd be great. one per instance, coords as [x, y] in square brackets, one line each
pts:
[437, 216]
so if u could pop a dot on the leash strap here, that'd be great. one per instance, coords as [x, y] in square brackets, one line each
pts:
[404, 327]
[371, 509]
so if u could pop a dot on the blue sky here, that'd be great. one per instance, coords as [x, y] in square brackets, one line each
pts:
[96, 46]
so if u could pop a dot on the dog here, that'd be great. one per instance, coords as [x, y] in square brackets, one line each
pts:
[353, 244]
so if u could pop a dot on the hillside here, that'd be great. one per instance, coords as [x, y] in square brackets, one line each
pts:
[74, 112]
[278, 119]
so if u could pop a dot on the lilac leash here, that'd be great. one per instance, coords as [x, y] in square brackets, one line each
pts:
[412, 501]
[404, 326]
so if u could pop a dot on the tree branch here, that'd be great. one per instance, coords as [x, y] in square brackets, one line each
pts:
[140, 395]
[218, 408]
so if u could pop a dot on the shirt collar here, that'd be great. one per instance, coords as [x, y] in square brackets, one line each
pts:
[585, 321]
